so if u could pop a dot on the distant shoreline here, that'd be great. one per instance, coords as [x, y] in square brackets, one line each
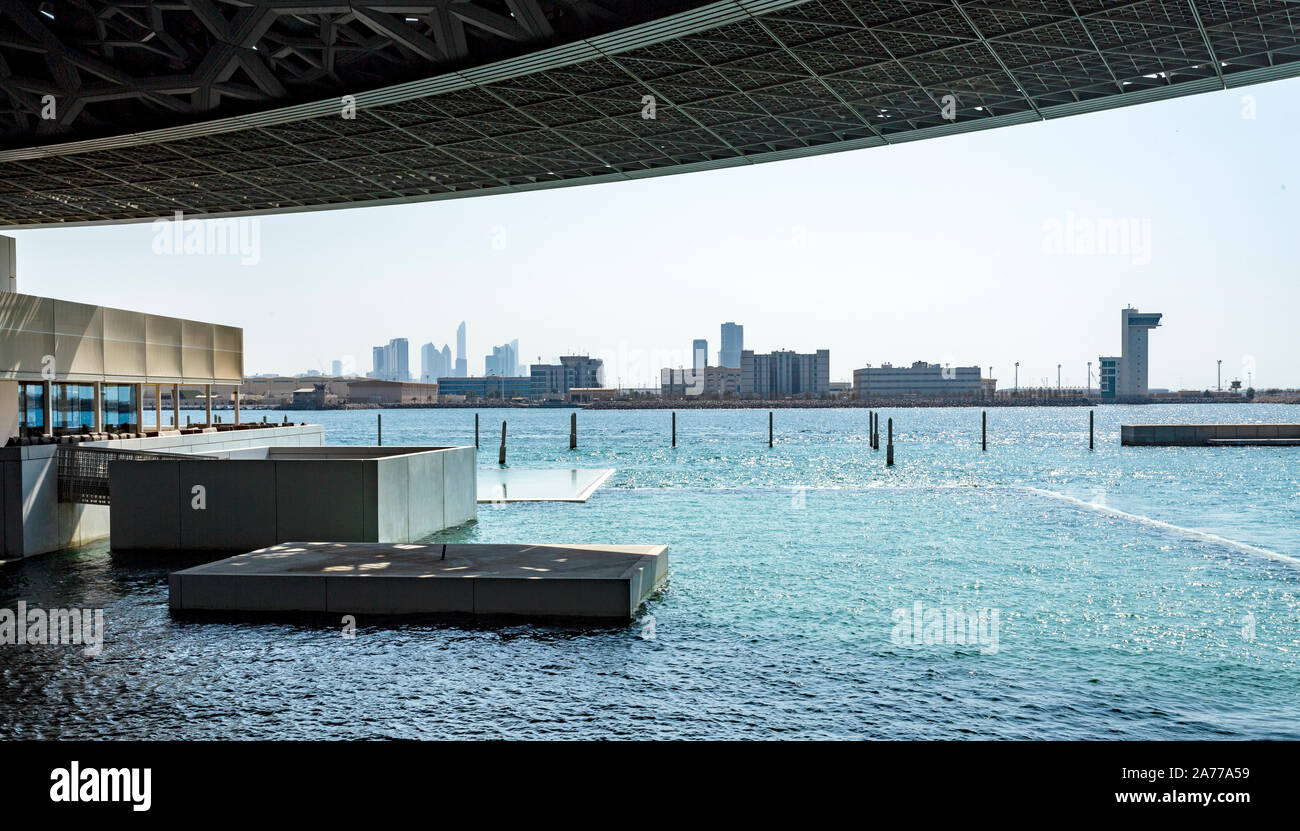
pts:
[753, 404]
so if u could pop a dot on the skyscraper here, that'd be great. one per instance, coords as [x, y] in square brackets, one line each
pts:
[518, 368]
[446, 361]
[379, 356]
[462, 365]
[336, 368]
[733, 343]
[699, 353]
[398, 360]
[501, 362]
[432, 365]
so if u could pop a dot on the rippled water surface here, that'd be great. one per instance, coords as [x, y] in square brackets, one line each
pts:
[1138, 593]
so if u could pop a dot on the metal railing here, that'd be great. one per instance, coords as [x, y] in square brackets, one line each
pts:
[83, 471]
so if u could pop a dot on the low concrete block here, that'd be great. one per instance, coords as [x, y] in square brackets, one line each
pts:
[583, 581]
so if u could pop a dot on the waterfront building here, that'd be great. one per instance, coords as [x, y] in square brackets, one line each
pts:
[336, 368]
[490, 386]
[1128, 372]
[76, 375]
[920, 380]
[719, 381]
[1108, 383]
[783, 374]
[553, 381]
[733, 343]
[392, 392]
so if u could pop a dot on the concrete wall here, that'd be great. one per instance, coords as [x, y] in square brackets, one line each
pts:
[330, 494]
[33, 521]
[1200, 434]
[96, 343]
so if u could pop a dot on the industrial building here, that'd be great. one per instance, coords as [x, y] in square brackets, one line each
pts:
[920, 380]
[709, 381]
[487, 386]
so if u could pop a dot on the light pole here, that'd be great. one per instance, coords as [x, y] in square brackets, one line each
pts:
[1219, 383]
[1058, 379]
[1089, 378]
[1017, 377]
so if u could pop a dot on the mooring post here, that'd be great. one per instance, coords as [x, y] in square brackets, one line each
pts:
[379, 427]
[573, 431]
[1091, 413]
[984, 430]
[674, 428]
[476, 431]
[501, 457]
[889, 448]
[769, 428]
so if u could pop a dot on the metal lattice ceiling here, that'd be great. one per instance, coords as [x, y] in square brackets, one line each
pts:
[533, 94]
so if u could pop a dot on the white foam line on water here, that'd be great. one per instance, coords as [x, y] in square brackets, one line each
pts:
[1244, 548]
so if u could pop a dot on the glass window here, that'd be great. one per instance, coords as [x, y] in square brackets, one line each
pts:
[31, 409]
[119, 408]
[72, 408]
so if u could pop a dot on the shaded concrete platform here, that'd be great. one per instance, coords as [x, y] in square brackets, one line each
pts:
[1209, 435]
[523, 485]
[582, 581]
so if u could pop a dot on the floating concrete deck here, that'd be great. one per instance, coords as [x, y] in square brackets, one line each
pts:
[523, 485]
[581, 581]
[1210, 435]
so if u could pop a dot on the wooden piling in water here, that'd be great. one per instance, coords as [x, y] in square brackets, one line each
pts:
[889, 448]
[501, 457]
[1091, 413]
[476, 431]
[573, 431]
[769, 428]
[984, 430]
[674, 428]
[379, 427]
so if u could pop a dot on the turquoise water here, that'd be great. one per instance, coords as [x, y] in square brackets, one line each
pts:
[1124, 592]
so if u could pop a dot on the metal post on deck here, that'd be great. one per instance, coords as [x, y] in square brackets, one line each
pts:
[501, 457]
[889, 448]
[207, 398]
[99, 406]
[236, 406]
[139, 408]
[176, 406]
[47, 409]
[573, 431]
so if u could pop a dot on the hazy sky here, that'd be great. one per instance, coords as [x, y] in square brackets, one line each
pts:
[971, 249]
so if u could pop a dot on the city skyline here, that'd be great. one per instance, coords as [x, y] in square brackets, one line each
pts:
[897, 255]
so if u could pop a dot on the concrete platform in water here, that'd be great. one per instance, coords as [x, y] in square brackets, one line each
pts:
[581, 581]
[1210, 435]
